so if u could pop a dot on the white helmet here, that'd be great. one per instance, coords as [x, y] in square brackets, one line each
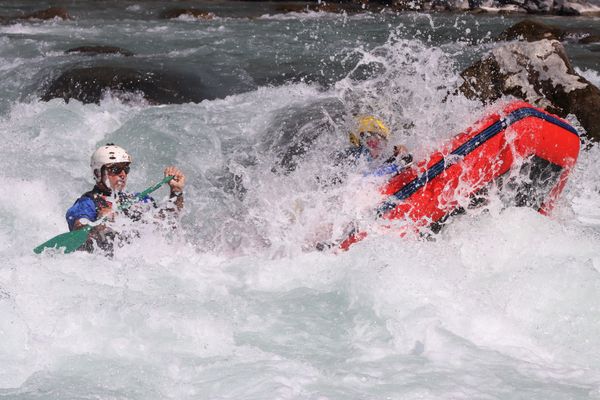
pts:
[108, 154]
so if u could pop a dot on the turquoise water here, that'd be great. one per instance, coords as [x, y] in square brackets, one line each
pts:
[502, 305]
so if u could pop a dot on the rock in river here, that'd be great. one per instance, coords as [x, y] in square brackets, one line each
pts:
[540, 73]
[94, 50]
[89, 84]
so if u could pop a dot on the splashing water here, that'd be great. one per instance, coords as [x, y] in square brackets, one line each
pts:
[237, 304]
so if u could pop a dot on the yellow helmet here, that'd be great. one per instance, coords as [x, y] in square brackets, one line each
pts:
[368, 125]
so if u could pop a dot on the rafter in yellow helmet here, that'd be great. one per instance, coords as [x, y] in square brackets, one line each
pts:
[370, 125]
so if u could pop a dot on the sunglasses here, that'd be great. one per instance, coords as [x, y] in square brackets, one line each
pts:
[117, 169]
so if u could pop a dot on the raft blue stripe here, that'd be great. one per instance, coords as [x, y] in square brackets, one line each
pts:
[467, 147]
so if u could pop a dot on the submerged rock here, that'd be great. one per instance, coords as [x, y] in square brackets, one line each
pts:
[293, 131]
[188, 12]
[88, 85]
[49, 13]
[229, 182]
[540, 73]
[93, 50]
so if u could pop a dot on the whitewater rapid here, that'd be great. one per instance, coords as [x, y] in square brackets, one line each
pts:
[502, 304]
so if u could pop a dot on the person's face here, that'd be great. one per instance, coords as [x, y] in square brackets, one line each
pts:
[116, 175]
[375, 144]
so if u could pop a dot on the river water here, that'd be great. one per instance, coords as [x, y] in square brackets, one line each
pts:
[502, 304]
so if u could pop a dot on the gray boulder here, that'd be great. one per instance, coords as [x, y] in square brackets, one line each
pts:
[49, 13]
[539, 73]
[89, 84]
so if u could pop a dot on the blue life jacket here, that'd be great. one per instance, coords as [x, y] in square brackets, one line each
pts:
[386, 169]
[391, 166]
[88, 205]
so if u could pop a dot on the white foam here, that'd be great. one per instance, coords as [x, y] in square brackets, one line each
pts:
[590, 75]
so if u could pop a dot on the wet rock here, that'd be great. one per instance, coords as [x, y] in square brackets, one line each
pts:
[561, 7]
[590, 39]
[494, 7]
[434, 5]
[293, 131]
[188, 12]
[532, 31]
[50, 13]
[576, 7]
[408, 5]
[324, 7]
[538, 6]
[483, 80]
[88, 85]
[539, 73]
[450, 5]
[338, 7]
[93, 50]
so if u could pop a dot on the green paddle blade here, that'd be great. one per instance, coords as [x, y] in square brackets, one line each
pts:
[70, 241]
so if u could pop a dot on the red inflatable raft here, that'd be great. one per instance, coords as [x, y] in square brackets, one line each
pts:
[521, 142]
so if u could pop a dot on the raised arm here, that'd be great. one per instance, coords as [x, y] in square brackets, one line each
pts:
[176, 184]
